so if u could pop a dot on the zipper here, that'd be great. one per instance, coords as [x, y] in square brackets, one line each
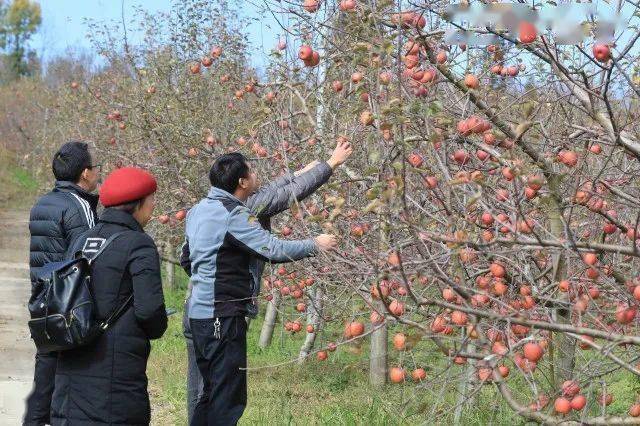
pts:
[252, 286]
[71, 312]
[71, 315]
[52, 315]
[81, 304]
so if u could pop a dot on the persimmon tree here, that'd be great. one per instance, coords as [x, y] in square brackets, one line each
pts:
[497, 219]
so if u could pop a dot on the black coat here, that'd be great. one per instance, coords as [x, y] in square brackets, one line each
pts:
[105, 383]
[56, 220]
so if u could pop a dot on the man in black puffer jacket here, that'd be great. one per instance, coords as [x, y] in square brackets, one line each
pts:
[57, 219]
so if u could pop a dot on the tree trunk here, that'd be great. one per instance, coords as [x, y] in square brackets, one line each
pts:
[266, 334]
[563, 345]
[466, 394]
[378, 355]
[465, 389]
[314, 318]
[170, 268]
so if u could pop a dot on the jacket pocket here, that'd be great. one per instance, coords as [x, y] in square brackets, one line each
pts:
[50, 333]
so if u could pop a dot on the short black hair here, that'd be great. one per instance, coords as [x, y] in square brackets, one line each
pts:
[129, 207]
[71, 160]
[227, 171]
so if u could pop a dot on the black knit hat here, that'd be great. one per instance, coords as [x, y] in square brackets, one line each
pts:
[71, 160]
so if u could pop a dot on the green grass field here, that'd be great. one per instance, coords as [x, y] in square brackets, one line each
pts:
[17, 185]
[335, 391]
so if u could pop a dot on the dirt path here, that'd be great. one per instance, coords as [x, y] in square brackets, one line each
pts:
[16, 348]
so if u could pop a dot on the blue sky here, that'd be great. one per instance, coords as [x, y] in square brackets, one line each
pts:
[62, 24]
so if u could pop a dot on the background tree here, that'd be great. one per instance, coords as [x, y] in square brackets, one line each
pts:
[19, 20]
[488, 217]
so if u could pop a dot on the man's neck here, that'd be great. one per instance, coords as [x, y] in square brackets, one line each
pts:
[83, 185]
[241, 195]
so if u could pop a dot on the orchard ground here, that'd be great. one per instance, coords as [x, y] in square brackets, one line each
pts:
[336, 391]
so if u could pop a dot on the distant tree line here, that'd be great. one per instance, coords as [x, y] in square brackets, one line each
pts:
[19, 20]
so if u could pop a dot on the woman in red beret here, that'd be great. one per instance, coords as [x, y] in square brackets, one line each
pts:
[105, 382]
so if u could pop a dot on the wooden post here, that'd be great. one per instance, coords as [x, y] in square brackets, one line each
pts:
[562, 345]
[466, 394]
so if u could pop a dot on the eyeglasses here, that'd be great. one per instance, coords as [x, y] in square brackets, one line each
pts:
[98, 166]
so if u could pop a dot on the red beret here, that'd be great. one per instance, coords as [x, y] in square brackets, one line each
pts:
[125, 185]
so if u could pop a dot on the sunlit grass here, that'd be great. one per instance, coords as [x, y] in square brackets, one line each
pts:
[337, 391]
[18, 187]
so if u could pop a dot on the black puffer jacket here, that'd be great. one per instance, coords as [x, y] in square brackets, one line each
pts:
[57, 219]
[105, 382]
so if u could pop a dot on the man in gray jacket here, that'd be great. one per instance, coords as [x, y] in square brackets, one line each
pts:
[266, 202]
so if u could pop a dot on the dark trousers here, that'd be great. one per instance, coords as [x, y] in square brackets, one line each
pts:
[221, 356]
[195, 384]
[39, 400]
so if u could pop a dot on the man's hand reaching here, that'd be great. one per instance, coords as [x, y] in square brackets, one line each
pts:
[340, 154]
[326, 242]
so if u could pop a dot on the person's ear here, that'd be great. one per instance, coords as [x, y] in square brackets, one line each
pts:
[242, 183]
[85, 174]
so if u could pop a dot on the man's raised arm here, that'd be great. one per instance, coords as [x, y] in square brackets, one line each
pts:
[277, 196]
[245, 232]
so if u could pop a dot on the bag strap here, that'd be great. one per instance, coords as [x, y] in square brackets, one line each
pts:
[120, 310]
[116, 314]
[104, 246]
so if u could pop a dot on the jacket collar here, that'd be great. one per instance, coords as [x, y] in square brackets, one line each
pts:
[63, 185]
[220, 194]
[120, 217]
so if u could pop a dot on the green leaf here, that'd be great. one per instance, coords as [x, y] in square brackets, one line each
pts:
[434, 107]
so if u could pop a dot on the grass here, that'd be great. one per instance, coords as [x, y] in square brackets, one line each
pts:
[18, 185]
[336, 391]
